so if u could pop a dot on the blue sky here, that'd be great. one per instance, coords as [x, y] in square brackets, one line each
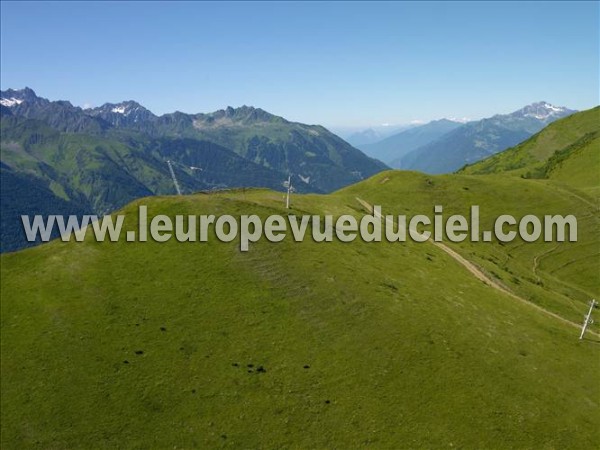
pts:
[337, 64]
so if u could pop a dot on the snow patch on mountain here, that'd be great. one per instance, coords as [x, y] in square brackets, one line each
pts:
[9, 102]
[459, 119]
[119, 109]
[305, 179]
[542, 110]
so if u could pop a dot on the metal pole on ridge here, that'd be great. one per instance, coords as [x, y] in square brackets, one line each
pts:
[587, 320]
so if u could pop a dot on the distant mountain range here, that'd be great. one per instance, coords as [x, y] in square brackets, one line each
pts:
[445, 145]
[97, 160]
[61, 158]
[475, 141]
[398, 145]
[363, 137]
[372, 135]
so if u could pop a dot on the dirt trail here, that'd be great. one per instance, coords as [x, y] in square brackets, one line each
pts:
[536, 260]
[480, 275]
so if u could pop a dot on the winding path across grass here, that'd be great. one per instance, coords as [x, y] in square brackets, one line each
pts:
[480, 275]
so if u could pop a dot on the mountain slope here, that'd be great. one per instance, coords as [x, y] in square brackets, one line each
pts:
[100, 159]
[97, 174]
[358, 137]
[317, 156]
[575, 165]
[391, 149]
[566, 150]
[40, 200]
[125, 114]
[560, 278]
[478, 140]
[319, 345]
[319, 159]
[351, 339]
[363, 137]
[60, 115]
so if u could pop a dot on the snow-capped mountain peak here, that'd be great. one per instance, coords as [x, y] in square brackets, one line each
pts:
[14, 97]
[9, 102]
[125, 108]
[542, 111]
[122, 114]
[120, 110]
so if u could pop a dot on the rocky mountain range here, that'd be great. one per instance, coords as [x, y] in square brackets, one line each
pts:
[97, 160]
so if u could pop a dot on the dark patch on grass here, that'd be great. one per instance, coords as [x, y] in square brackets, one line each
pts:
[390, 286]
[139, 352]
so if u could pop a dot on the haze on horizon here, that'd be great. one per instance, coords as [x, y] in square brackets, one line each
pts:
[342, 65]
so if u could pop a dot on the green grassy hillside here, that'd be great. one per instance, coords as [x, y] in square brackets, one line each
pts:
[561, 278]
[567, 150]
[306, 345]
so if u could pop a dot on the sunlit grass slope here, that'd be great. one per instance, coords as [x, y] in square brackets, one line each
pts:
[303, 345]
[567, 150]
[561, 277]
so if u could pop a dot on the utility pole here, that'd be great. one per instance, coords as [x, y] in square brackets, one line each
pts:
[587, 320]
[174, 177]
[288, 184]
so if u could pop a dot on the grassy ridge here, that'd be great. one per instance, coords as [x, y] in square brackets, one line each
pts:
[149, 345]
[578, 131]
[561, 278]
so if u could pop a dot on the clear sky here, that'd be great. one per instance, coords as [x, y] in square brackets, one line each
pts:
[337, 64]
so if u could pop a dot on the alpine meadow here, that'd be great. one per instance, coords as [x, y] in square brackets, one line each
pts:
[471, 344]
